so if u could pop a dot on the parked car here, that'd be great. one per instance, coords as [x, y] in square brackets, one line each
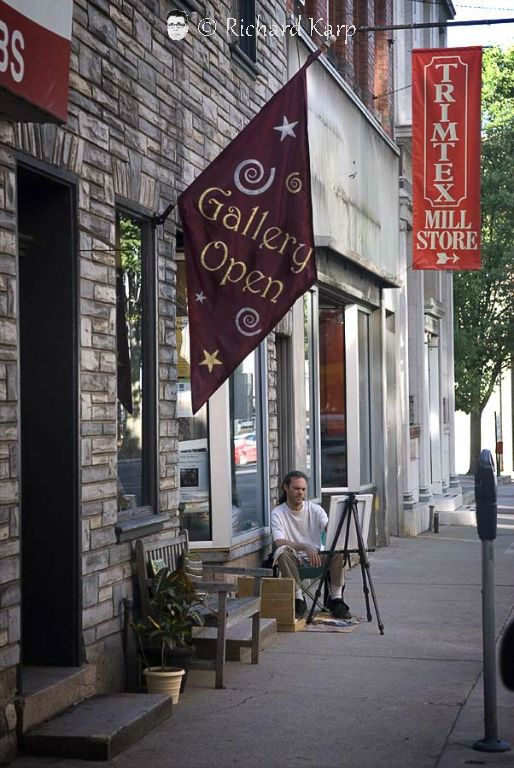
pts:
[245, 448]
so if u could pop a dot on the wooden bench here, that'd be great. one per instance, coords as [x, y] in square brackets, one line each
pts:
[223, 611]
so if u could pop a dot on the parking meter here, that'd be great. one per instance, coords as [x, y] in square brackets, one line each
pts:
[486, 496]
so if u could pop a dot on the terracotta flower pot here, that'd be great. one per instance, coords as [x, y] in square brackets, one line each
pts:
[164, 680]
[181, 657]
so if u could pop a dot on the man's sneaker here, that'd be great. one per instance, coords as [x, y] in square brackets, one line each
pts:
[338, 608]
[300, 606]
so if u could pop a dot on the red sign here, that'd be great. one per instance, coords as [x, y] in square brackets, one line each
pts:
[248, 238]
[35, 58]
[446, 86]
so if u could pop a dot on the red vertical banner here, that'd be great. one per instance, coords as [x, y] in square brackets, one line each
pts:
[446, 85]
[248, 237]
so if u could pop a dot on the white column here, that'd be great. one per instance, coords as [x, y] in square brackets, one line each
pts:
[434, 416]
[421, 393]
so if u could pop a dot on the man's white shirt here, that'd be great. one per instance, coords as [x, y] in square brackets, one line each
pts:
[301, 527]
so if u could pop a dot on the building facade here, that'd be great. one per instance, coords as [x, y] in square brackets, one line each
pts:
[350, 422]
[99, 445]
[96, 435]
[426, 355]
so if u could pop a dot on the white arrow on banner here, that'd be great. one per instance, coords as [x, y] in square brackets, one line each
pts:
[443, 258]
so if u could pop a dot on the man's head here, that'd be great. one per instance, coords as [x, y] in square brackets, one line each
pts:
[177, 25]
[294, 489]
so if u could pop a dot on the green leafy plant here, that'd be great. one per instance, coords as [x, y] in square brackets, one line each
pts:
[174, 612]
[484, 299]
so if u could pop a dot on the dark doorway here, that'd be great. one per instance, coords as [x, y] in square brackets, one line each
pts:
[48, 392]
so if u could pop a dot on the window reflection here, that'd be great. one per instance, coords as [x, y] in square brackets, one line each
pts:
[246, 453]
[309, 388]
[364, 399]
[332, 392]
[129, 326]
[193, 433]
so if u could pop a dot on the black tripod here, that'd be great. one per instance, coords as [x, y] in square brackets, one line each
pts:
[350, 512]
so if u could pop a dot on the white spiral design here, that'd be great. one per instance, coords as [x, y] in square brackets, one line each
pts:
[294, 183]
[252, 175]
[246, 320]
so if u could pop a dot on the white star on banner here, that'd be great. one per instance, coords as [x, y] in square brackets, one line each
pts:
[211, 359]
[201, 297]
[286, 129]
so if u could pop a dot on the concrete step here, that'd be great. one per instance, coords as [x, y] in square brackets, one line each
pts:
[99, 728]
[206, 644]
[449, 501]
[468, 497]
[47, 691]
[463, 516]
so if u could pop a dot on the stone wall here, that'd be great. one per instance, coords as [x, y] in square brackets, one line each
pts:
[146, 115]
[9, 507]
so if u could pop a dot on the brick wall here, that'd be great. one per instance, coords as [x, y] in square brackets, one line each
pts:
[364, 59]
[318, 11]
[342, 51]
[383, 80]
[364, 51]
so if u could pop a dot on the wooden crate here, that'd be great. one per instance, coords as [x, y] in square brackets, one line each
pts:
[277, 601]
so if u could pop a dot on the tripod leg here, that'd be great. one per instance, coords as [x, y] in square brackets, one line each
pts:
[318, 591]
[365, 588]
[366, 572]
[375, 603]
[328, 561]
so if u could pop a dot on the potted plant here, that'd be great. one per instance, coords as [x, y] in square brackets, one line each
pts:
[165, 635]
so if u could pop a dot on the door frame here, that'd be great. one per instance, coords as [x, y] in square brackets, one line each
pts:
[69, 180]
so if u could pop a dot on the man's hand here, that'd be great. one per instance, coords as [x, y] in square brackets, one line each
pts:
[313, 555]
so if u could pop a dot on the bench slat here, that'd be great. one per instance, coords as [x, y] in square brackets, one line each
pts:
[236, 607]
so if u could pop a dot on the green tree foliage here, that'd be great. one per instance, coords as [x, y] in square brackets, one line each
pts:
[129, 427]
[484, 299]
[130, 244]
[497, 87]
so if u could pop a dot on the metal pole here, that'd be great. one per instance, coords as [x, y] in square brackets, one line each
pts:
[490, 742]
[496, 443]
[431, 24]
[489, 641]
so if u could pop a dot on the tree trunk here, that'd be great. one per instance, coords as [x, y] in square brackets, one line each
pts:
[475, 441]
[512, 394]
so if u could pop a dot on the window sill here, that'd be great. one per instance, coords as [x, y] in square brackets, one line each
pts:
[244, 61]
[141, 522]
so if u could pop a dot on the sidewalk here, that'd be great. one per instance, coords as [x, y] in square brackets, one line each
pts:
[412, 697]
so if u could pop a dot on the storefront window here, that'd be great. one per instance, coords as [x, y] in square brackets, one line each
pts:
[193, 432]
[246, 448]
[309, 378]
[364, 399]
[332, 394]
[130, 335]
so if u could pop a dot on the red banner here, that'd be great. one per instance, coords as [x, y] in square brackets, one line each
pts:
[35, 56]
[446, 86]
[248, 238]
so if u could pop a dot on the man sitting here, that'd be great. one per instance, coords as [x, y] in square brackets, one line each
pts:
[296, 526]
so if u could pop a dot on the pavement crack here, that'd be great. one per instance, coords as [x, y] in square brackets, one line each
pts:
[246, 700]
[461, 706]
